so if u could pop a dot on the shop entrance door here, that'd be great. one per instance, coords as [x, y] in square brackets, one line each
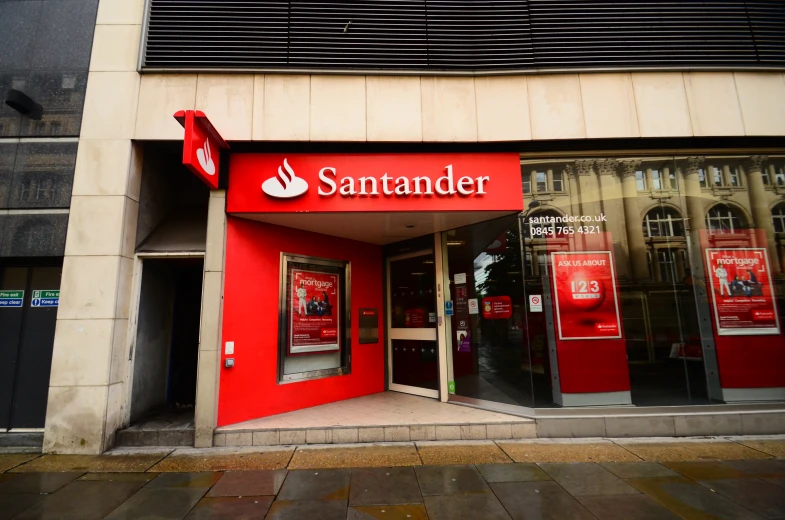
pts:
[413, 349]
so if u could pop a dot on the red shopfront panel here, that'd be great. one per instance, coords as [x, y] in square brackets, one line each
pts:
[250, 389]
[747, 327]
[589, 338]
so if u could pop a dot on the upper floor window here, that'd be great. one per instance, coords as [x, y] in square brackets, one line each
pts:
[778, 218]
[663, 222]
[558, 181]
[640, 180]
[779, 176]
[702, 178]
[717, 176]
[542, 181]
[672, 179]
[765, 177]
[656, 179]
[723, 219]
[735, 176]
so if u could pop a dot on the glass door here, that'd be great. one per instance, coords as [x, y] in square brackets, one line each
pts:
[413, 352]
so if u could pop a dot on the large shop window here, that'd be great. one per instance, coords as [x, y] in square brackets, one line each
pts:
[646, 281]
[315, 326]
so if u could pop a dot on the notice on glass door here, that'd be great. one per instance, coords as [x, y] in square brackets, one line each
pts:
[585, 294]
[741, 291]
[314, 312]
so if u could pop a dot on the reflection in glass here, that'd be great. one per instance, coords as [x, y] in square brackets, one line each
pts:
[415, 363]
[722, 219]
[412, 298]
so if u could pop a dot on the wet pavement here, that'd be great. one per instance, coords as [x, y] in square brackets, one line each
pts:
[581, 479]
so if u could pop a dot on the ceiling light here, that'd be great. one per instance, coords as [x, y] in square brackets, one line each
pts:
[456, 242]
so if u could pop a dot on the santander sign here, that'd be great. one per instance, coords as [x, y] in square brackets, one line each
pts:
[374, 182]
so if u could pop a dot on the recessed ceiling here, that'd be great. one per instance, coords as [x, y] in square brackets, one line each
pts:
[375, 228]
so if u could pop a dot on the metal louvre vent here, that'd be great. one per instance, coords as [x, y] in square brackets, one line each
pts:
[462, 35]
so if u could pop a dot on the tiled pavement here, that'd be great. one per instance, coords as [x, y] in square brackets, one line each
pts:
[731, 478]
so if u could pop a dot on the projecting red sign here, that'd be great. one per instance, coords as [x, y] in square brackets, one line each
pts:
[277, 183]
[201, 146]
[585, 295]
[496, 307]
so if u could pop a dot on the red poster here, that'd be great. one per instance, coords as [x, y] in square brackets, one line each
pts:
[496, 307]
[314, 313]
[585, 295]
[414, 318]
[741, 291]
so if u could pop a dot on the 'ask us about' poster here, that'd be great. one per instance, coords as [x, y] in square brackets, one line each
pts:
[314, 312]
[585, 295]
[741, 291]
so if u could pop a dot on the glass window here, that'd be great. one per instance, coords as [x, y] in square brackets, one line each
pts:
[735, 176]
[527, 183]
[674, 185]
[558, 181]
[722, 219]
[778, 216]
[542, 224]
[640, 180]
[542, 182]
[766, 177]
[719, 179]
[702, 178]
[779, 177]
[656, 179]
[663, 222]
[667, 264]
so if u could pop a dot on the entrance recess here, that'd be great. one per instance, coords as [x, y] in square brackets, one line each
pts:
[413, 350]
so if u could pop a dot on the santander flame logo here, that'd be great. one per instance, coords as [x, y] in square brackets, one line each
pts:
[286, 185]
[205, 157]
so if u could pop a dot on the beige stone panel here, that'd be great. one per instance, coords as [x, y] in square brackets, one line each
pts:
[130, 218]
[81, 353]
[160, 96]
[119, 359]
[338, 108]
[661, 101]
[120, 12]
[502, 108]
[216, 232]
[556, 107]
[394, 107]
[124, 288]
[95, 225]
[449, 109]
[762, 100]
[210, 331]
[134, 186]
[110, 105]
[102, 167]
[714, 104]
[115, 416]
[227, 100]
[286, 109]
[206, 397]
[89, 287]
[257, 118]
[115, 48]
[75, 419]
[609, 106]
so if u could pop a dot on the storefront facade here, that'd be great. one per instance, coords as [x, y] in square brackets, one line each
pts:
[575, 243]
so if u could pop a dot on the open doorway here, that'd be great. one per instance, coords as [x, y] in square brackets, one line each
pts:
[166, 349]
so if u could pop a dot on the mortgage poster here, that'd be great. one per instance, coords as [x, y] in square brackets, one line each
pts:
[587, 306]
[314, 311]
[741, 291]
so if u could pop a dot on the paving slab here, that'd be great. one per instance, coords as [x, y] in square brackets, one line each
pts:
[399, 512]
[81, 500]
[198, 480]
[159, 504]
[762, 497]
[626, 507]
[230, 508]
[686, 451]
[323, 484]
[35, 482]
[224, 459]
[774, 448]
[777, 481]
[12, 460]
[515, 472]
[564, 452]
[249, 483]
[638, 469]
[759, 468]
[436, 453]
[92, 463]
[120, 477]
[689, 499]
[12, 505]
[302, 509]
[384, 486]
[544, 500]
[373, 456]
[705, 470]
[585, 479]
[450, 480]
[465, 507]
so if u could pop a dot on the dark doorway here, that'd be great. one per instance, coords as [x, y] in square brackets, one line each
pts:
[27, 331]
[166, 350]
